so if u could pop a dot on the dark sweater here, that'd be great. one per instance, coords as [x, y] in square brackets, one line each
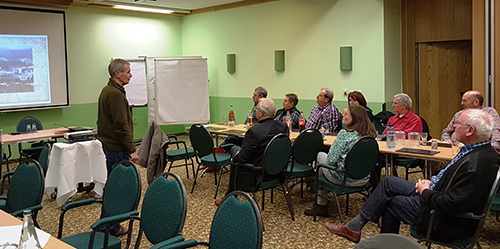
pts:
[465, 191]
[114, 119]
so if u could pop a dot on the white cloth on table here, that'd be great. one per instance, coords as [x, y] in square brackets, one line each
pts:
[73, 163]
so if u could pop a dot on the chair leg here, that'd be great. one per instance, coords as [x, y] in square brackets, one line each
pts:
[195, 176]
[170, 167]
[302, 187]
[346, 204]
[288, 200]
[272, 195]
[218, 183]
[187, 168]
[338, 207]
[263, 198]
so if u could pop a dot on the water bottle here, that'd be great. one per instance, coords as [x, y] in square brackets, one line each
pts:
[302, 122]
[288, 121]
[28, 239]
[391, 136]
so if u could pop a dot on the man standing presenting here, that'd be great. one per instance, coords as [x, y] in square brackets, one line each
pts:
[256, 139]
[289, 105]
[473, 100]
[114, 118]
[325, 113]
[463, 186]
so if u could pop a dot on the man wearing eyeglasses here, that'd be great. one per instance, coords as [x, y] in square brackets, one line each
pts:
[462, 186]
[255, 142]
[473, 100]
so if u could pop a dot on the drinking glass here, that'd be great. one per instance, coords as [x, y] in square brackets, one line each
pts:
[224, 121]
[414, 138]
[28, 128]
[33, 128]
[400, 138]
[423, 138]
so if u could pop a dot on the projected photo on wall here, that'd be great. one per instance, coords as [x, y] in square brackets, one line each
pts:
[24, 70]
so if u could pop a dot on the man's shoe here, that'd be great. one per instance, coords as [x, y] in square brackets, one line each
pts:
[343, 231]
[321, 210]
[120, 232]
[218, 203]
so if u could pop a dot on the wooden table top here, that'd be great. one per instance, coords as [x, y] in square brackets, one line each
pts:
[9, 220]
[445, 153]
[39, 135]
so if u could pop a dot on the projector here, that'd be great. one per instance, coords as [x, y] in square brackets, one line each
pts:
[80, 136]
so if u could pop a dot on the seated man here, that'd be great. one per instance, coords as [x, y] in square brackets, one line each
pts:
[473, 100]
[463, 186]
[404, 120]
[289, 105]
[258, 93]
[325, 114]
[256, 139]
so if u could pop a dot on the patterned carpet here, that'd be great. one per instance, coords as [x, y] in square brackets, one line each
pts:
[280, 230]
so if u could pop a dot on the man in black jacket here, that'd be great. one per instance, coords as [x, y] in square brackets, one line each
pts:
[463, 186]
[256, 138]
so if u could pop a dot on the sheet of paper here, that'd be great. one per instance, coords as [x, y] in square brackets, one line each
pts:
[11, 234]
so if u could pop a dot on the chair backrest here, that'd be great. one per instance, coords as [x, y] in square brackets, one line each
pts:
[237, 224]
[425, 128]
[380, 120]
[277, 154]
[201, 140]
[122, 190]
[361, 158]
[307, 145]
[164, 208]
[491, 196]
[26, 187]
[43, 159]
[28, 120]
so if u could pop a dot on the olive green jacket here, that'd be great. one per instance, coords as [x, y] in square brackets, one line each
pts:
[114, 119]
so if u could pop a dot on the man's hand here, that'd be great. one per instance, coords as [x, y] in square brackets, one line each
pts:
[422, 185]
[134, 158]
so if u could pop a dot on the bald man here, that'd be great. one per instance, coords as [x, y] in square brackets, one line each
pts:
[474, 100]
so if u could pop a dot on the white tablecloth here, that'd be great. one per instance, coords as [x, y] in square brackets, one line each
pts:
[71, 164]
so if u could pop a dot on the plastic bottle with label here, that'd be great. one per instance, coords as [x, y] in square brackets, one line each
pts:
[288, 121]
[302, 122]
[391, 136]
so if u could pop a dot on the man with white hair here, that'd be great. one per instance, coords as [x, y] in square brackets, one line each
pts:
[462, 186]
[256, 139]
[404, 120]
[474, 100]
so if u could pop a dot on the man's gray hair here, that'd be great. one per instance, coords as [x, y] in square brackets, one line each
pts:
[117, 65]
[482, 121]
[328, 93]
[403, 99]
[267, 106]
[261, 91]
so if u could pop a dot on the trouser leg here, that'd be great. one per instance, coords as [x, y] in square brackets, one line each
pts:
[401, 209]
[232, 172]
[379, 201]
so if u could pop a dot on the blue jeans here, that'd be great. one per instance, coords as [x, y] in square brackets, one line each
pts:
[395, 200]
[113, 157]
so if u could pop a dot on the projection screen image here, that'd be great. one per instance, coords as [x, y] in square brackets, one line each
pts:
[24, 77]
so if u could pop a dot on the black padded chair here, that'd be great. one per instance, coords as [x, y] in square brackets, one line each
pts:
[179, 153]
[22, 127]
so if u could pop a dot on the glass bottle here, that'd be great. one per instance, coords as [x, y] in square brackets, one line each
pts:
[249, 120]
[288, 121]
[231, 119]
[29, 239]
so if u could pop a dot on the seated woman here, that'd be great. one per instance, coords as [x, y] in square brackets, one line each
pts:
[357, 98]
[357, 125]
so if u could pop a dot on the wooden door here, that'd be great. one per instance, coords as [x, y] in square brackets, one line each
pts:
[444, 71]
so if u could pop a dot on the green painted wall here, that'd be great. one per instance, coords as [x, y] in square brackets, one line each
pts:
[310, 32]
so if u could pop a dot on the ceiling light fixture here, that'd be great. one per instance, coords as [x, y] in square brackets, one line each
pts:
[144, 9]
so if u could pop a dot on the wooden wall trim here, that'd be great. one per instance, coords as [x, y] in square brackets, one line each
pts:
[478, 46]
[408, 48]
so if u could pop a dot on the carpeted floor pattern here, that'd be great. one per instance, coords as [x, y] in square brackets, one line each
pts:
[280, 230]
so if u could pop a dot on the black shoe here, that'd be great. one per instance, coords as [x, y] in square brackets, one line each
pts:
[321, 210]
